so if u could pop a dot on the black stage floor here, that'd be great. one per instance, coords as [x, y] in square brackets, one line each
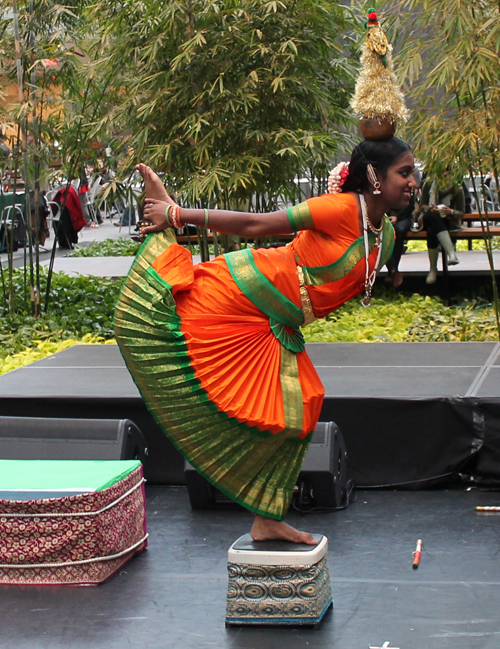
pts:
[402, 370]
[349, 370]
[410, 413]
[173, 595]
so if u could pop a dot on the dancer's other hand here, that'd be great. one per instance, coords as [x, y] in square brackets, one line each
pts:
[154, 211]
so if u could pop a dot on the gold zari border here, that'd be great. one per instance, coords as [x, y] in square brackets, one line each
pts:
[300, 217]
[291, 389]
[305, 300]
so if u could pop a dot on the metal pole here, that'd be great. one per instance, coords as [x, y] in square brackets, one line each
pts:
[24, 145]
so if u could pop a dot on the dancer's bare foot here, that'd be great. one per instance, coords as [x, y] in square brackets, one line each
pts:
[153, 185]
[268, 529]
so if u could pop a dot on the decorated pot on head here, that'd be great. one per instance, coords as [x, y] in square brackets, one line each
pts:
[378, 100]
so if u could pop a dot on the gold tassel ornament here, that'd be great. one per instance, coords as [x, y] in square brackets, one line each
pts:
[378, 100]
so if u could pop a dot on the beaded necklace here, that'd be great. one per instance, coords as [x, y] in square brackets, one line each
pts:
[379, 232]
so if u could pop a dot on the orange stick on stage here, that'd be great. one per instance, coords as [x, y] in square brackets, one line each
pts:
[417, 554]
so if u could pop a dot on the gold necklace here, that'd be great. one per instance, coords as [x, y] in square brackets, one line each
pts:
[370, 277]
[373, 229]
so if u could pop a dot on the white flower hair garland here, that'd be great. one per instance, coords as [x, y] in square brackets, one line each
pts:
[338, 176]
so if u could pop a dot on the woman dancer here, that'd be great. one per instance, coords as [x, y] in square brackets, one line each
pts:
[216, 348]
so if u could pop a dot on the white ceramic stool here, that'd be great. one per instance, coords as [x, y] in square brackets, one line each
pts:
[277, 582]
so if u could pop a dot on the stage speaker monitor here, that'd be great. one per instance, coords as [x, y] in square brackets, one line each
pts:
[40, 438]
[321, 483]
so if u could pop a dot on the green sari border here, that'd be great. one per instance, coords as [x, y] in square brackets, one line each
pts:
[153, 273]
[319, 275]
[293, 404]
[300, 217]
[169, 238]
[259, 290]
[387, 243]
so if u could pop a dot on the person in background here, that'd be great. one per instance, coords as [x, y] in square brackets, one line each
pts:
[442, 209]
[490, 190]
[401, 222]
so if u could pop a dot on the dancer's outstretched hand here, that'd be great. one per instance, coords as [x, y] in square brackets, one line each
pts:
[154, 211]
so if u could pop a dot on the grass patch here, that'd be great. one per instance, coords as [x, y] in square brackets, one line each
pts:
[399, 317]
[107, 248]
[80, 307]
[81, 311]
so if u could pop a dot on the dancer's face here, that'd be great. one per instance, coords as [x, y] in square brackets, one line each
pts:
[399, 183]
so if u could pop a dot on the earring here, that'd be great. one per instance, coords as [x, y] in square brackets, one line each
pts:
[372, 177]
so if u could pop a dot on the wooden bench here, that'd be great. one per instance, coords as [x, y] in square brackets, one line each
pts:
[184, 240]
[469, 232]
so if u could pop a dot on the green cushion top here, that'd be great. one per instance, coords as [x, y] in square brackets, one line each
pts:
[65, 475]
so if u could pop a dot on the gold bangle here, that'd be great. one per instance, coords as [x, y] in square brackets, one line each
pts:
[167, 215]
[206, 218]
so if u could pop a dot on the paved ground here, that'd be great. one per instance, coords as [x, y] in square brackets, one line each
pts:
[107, 230]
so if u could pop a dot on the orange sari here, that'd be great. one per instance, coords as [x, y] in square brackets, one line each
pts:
[230, 380]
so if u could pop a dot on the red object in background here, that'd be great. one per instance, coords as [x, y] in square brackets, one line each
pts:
[74, 206]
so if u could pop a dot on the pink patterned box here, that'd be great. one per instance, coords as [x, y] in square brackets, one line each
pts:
[75, 539]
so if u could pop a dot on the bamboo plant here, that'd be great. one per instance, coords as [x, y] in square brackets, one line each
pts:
[54, 103]
[450, 57]
[229, 100]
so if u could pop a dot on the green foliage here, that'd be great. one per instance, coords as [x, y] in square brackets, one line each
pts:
[48, 118]
[450, 56]
[403, 318]
[231, 99]
[469, 321]
[80, 306]
[108, 248]
[419, 245]
[387, 319]
[50, 64]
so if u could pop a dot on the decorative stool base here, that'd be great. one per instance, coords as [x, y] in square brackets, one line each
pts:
[277, 582]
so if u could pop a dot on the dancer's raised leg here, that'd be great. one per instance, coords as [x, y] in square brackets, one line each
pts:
[153, 185]
[268, 529]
